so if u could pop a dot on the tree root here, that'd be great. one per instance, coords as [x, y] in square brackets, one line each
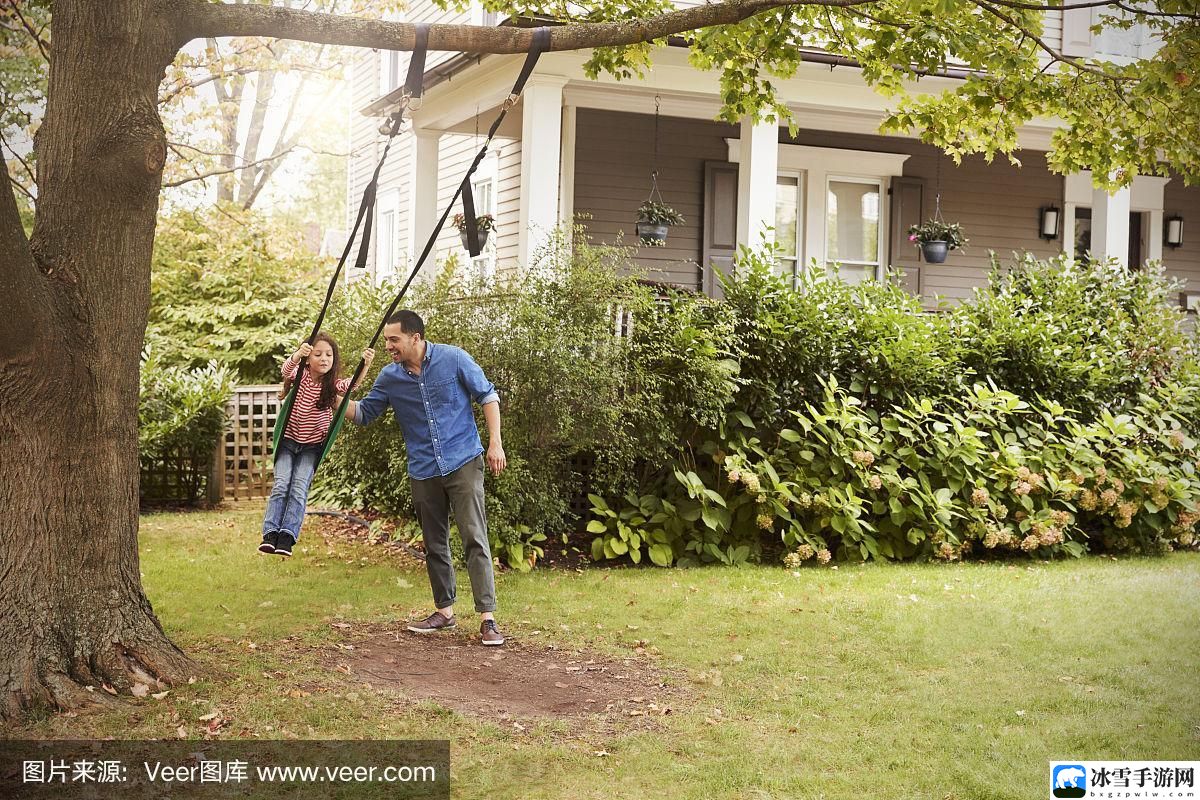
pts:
[49, 680]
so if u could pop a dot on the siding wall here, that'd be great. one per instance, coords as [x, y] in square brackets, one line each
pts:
[997, 203]
[366, 144]
[1183, 262]
[508, 203]
[614, 155]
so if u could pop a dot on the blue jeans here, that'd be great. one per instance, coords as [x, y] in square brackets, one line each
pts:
[295, 464]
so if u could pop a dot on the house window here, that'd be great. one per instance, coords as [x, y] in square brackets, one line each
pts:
[385, 246]
[389, 70]
[1083, 232]
[789, 224]
[839, 210]
[852, 227]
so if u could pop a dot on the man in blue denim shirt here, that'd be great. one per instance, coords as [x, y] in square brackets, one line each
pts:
[430, 388]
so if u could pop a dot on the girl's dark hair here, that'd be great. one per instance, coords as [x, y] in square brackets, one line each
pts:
[329, 380]
[328, 397]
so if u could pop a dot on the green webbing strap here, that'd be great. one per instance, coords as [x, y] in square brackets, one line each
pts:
[541, 42]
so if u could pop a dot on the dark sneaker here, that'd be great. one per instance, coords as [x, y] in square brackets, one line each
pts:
[283, 545]
[490, 634]
[270, 540]
[437, 621]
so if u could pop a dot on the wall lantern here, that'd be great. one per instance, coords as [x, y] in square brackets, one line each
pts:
[1049, 227]
[1174, 231]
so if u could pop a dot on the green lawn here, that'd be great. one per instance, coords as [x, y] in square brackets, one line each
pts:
[925, 681]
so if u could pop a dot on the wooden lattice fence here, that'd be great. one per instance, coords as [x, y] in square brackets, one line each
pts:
[243, 462]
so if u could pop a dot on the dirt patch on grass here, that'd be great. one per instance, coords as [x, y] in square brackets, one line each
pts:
[516, 681]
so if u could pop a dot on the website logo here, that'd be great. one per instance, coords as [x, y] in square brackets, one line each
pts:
[1124, 780]
[1068, 780]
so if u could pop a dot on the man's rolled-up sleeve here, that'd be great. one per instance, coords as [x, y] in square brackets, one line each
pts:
[481, 390]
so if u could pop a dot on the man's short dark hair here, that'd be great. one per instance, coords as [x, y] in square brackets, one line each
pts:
[409, 321]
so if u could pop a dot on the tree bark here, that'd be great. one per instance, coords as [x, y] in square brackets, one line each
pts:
[72, 610]
[199, 18]
[229, 103]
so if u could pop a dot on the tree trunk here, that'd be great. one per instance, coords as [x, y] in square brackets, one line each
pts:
[72, 610]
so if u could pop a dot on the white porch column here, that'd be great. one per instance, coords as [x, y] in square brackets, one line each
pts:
[422, 190]
[541, 148]
[1110, 224]
[758, 168]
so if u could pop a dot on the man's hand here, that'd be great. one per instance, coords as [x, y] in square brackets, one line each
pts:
[495, 458]
[302, 352]
[368, 356]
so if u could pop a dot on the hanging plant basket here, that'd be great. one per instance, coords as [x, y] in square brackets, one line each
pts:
[654, 217]
[653, 234]
[483, 239]
[937, 238]
[935, 252]
[485, 224]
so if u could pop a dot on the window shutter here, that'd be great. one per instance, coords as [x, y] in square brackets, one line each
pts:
[906, 199]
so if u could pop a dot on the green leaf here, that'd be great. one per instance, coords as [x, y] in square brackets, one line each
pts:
[661, 554]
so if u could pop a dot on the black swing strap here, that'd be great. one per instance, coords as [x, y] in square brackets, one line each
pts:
[541, 42]
[413, 87]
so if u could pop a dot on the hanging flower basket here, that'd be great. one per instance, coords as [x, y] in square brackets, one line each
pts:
[651, 234]
[485, 223]
[935, 252]
[483, 239]
[654, 221]
[936, 239]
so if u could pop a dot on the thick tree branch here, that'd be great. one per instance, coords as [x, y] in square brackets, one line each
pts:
[197, 18]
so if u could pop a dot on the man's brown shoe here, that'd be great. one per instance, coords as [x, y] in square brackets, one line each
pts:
[437, 621]
[490, 634]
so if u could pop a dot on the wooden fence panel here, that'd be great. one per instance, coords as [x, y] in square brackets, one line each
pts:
[245, 456]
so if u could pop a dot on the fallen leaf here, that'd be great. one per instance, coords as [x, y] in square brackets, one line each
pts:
[561, 685]
[108, 688]
[160, 695]
[601, 753]
[140, 690]
[181, 732]
[341, 625]
[211, 716]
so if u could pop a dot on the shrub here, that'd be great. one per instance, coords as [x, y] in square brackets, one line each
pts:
[1091, 336]
[229, 286]
[873, 337]
[181, 415]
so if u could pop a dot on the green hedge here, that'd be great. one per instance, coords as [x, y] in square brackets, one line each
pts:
[230, 286]
[181, 415]
[1053, 414]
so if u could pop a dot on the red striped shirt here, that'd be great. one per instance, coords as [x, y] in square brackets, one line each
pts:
[309, 424]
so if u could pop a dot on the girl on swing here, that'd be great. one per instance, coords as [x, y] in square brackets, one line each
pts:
[319, 395]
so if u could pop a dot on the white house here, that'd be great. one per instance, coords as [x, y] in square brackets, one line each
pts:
[583, 149]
